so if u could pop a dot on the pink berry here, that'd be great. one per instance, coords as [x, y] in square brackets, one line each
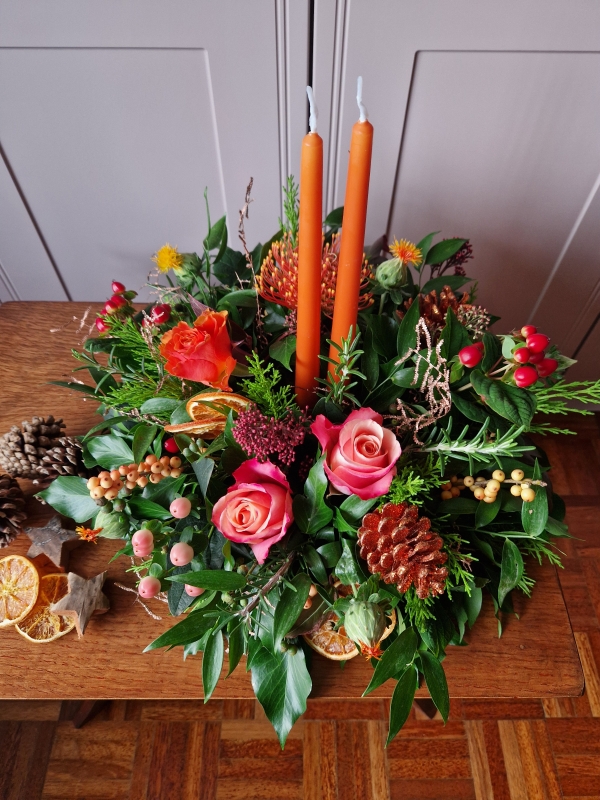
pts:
[180, 507]
[193, 591]
[101, 325]
[521, 355]
[537, 342]
[117, 287]
[148, 587]
[528, 330]
[536, 358]
[170, 445]
[161, 313]
[181, 554]
[525, 376]
[143, 539]
[547, 366]
[470, 356]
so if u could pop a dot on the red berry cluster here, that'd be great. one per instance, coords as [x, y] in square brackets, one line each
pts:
[160, 314]
[532, 354]
[119, 304]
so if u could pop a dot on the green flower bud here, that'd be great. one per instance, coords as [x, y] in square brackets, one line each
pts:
[391, 274]
[365, 623]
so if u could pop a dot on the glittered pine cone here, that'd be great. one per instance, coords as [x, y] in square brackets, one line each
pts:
[400, 546]
[433, 309]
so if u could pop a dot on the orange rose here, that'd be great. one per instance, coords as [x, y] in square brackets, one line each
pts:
[201, 353]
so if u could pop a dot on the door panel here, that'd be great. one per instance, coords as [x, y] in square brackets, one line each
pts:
[117, 116]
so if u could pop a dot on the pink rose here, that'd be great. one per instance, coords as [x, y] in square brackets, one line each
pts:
[257, 510]
[360, 453]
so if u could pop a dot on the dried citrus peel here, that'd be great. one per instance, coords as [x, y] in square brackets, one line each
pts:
[19, 587]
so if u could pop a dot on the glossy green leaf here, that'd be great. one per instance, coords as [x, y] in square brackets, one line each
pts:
[455, 336]
[230, 266]
[70, 496]
[510, 402]
[347, 569]
[237, 642]
[407, 333]
[492, 351]
[402, 700]
[203, 469]
[283, 349]
[281, 684]
[110, 451]
[354, 509]
[335, 218]
[330, 553]
[289, 607]
[241, 298]
[384, 331]
[394, 660]
[311, 513]
[315, 564]
[444, 250]
[177, 597]
[424, 246]
[190, 629]
[159, 405]
[142, 439]
[436, 682]
[215, 234]
[147, 509]
[473, 411]
[534, 515]
[211, 579]
[179, 414]
[437, 284]
[370, 362]
[212, 663]
[459, 505]
[473, 603]
[165, 492]
[511, 570]
[487, 512]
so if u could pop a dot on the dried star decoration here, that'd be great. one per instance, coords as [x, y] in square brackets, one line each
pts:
[277, 280]
[53, 541]
[85, 598]
[87, 534]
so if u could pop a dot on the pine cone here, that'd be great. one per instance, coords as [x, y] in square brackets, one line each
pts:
[22, 451]
[12, 509]
[399, 545]
[65, 458]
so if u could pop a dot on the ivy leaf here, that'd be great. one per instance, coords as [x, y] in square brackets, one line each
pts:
[211, 579]
[203, 469]
[110, 451]
[283, 349]
[436, 682]
[510, 402]
[394, 660]
[281, 684]
[511, 570]
[289, 607]
[230, 265]
[142, 439]
[347, 569]
[70, 496]
[402, 701]
[311, 513]
[534, 515]
[212, 663]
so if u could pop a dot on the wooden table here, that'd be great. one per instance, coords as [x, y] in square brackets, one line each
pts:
[536, 656]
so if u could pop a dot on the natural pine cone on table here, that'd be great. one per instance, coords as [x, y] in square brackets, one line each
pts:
[65, 458]
[400, 546]
[12, 509]
[22, 449]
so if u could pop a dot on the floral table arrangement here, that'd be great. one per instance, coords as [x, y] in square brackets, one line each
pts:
[317, 447]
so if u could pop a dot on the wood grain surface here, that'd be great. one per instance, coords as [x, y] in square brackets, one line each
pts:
[535, 658]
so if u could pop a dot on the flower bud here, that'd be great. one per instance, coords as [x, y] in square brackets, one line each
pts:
[365, 623]
[391, 274]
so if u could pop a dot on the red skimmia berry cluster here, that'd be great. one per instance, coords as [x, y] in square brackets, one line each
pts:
[120, 304]
[532, 355]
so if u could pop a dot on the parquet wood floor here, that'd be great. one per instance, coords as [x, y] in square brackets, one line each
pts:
[226, 750]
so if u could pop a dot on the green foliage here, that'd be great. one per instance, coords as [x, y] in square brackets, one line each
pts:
[458, 564]
[339, 384]
[418, 611]
[415, 480]
[556, 399]
[265, 390]
[291, 210]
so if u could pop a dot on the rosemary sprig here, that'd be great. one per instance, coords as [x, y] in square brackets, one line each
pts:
[339, 383]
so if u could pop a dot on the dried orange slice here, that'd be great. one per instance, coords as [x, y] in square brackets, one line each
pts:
[19, 587]
[42, 624]
[335, 645]
[208, 411]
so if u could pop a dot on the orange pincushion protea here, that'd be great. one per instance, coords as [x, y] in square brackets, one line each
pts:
[277, 280]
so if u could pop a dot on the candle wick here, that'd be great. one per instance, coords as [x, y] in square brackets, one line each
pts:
[361, 107]
[314, 114]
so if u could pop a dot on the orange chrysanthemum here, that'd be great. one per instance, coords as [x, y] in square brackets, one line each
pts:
[277, 280]
[406, 251]
[87, 534]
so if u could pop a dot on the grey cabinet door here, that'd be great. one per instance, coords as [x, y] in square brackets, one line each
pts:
[487, 125]
[115, 117]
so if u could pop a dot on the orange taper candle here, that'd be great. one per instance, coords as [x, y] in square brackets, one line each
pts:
[345, 310]
[310, 247]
